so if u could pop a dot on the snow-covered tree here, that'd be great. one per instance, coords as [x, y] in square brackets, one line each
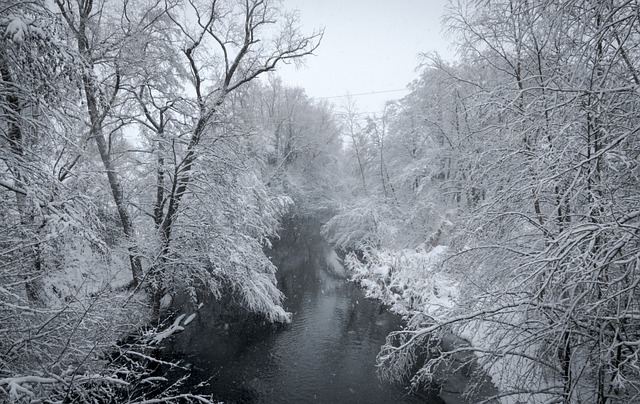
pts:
[170, 68]
[78, 79]
[217, 49]
[548, 254]
[300, 139]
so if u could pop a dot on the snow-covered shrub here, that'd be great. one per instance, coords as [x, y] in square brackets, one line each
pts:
[410, 281]
[364, 222]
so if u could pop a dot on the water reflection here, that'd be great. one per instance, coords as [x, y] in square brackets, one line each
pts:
[326, 355]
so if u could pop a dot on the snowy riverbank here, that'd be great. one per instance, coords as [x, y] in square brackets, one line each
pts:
[412, 283]
[407, 280]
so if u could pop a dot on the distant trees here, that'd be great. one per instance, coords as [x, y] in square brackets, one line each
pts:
[302, 141]
[409, 168]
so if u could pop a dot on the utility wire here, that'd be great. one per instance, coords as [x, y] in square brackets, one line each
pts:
[360, 94]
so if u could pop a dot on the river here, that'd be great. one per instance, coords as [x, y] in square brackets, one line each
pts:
[326, 355]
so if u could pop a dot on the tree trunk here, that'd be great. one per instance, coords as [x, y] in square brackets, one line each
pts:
[15, 138]
[114, 180]
[96, 120]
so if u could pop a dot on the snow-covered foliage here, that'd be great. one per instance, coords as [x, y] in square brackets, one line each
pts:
[222, 252]
[523, 158]
[79, 189]
[361, 224]
[34, 52]
[410, 281]
[299, 138]
[17, 30]
[55, 346]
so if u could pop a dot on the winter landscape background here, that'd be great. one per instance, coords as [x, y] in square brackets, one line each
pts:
[150, 154]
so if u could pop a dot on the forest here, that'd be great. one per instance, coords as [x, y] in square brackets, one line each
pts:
[150, 152]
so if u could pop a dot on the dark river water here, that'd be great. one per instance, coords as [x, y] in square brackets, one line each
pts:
[326, 355]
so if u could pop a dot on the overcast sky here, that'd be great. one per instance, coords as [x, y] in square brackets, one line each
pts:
[368, 46]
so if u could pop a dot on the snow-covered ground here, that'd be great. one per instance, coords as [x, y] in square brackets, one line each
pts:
[85, 273]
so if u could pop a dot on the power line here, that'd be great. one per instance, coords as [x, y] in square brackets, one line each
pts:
[360, 94]
[359, 113]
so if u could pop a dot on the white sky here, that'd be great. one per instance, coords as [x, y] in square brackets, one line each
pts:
[368, 46]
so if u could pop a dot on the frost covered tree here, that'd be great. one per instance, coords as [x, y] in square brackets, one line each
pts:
[215, 50]
[169, 68]
[55, 325]
[300, 140]
[363, 214]
[549, 252]
[99, 35]
[34, 198]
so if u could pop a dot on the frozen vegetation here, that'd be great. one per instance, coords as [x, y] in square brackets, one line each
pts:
[521, 158]
[133, 174]
[147, 159]
[410, 281]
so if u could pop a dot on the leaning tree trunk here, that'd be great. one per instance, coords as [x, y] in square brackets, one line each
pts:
[96, 118]
[114, 180]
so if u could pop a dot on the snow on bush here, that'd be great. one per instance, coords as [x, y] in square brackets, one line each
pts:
[17, 30]
[408, 280]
